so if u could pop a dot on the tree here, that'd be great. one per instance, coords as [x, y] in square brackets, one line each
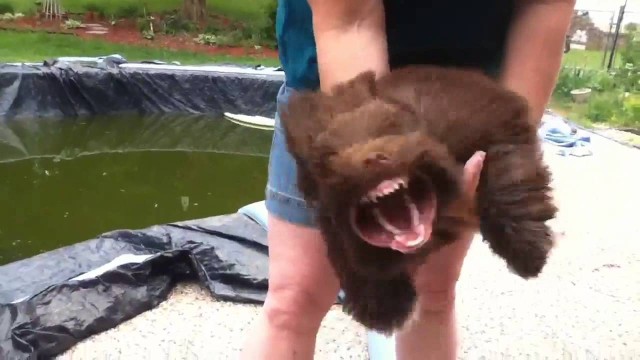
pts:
[631, 27]
[194, 10]
[630, 53]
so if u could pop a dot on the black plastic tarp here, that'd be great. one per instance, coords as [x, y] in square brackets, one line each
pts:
[45, 309]
[73, 89]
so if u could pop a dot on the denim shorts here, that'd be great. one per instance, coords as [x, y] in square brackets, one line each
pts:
[283, 198]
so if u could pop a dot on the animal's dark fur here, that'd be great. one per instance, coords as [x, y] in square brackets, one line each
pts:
[427, 121]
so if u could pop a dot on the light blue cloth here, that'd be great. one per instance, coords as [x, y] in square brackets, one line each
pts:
[557, 131]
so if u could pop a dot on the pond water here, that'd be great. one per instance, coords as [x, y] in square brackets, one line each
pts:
[66, 181]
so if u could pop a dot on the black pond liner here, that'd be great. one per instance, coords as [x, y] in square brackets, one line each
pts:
[44, 311]
[44, 307]
[69, 89]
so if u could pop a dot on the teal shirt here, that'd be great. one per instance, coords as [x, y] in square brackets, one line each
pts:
[468, 33]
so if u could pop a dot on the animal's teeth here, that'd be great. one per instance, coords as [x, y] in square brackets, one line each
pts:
[417, 241]
[386, 188]
[415, 214]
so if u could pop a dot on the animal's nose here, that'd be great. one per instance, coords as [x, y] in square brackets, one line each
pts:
[376, 158]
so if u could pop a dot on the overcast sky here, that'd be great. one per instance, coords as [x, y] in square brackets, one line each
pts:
[602, 17]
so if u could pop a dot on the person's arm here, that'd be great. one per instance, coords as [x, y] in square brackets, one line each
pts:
[350, 38]
[535, 48]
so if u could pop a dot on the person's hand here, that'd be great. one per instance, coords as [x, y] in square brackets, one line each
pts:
[436, 279]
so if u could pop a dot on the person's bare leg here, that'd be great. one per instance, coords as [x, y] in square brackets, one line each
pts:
[432, 335]
[302, 289]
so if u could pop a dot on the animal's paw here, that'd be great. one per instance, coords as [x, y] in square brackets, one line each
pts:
[525, 254]
[514, 205]
[380, 305]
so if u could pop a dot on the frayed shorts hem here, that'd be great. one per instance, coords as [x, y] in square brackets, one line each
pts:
[288, 208]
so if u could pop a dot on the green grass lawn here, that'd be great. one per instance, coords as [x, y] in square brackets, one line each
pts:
[247, 10]
[43, 46]
[591, 59]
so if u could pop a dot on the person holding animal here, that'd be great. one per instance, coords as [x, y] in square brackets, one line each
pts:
[323, 43]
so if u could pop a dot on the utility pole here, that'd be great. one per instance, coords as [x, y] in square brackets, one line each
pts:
[606, 45]
[615, 38]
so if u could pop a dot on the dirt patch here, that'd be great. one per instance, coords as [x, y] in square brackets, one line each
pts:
[126, 32]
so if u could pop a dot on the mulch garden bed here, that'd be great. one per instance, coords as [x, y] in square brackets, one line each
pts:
[126, 32]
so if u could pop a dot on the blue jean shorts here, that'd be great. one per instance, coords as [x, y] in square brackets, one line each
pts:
[283, 198]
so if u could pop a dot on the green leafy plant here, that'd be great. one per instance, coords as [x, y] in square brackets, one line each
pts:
[10, 16]
[175, 24]
[148, 34]
[72, 24]
[604, 107]
[571, 78]
[602, 81]
[264, 32]
[630, 53]
[628, 77]
[206, 39]
[145, 25]
[631, 110]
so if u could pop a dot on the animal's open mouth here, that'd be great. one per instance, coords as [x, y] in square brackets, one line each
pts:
[397, 213]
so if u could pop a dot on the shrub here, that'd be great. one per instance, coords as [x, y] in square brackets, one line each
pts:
[630, 54]
[604, 107]
[571, 78]
[128, 11]
[214, 26]
[264, 32]
[6, 8]
[627, 78]
[146, 23]
[95, 8]
[174, 24]
[602, 81]
[631, 110]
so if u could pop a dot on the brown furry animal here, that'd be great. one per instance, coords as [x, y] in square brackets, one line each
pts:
[382, 160]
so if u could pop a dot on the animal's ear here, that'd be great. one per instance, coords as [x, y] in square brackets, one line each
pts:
[303, 118]
[407, 85]
[355, 92]
[309, 113]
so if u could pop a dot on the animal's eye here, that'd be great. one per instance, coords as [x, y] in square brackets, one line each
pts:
[376, 158]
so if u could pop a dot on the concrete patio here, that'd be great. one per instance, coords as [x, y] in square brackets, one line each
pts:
[586, 304]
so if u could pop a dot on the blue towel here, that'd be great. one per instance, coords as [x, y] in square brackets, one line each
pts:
[556, 131]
